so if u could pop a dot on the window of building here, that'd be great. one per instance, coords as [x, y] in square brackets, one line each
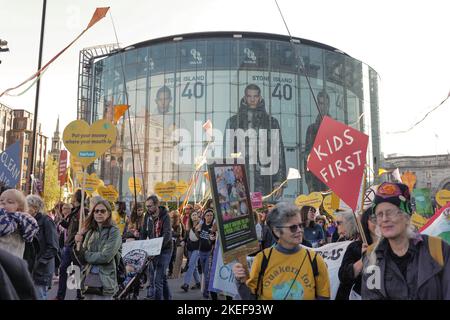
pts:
[25, 161]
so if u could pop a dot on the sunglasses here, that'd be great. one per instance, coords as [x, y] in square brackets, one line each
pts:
[338, 223]
[102, 211]
[293, 228]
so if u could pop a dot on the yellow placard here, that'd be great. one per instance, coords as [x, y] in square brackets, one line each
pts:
[88, 142]
[443, 197]
[108, 193]
[165, 190]
[314, 199]
[418, 221]
[75, 164]
[91, 184]
[138, 184]
[181, 188]
[327, 204]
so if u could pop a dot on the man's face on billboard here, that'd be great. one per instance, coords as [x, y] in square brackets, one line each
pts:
[163, 101]
[252, 97]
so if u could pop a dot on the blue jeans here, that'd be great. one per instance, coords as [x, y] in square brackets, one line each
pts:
[204, 262]
[66, 259]
[151, 280]
[192, 268]
[42, 292]
[161, 286]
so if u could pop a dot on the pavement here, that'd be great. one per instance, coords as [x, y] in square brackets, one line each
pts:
[174, 286]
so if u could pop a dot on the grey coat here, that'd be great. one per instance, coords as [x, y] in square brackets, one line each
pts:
[426, 279]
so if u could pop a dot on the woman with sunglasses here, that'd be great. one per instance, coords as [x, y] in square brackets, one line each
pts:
[352, 265]
[101, 243]
[286, 271]
[403, 264]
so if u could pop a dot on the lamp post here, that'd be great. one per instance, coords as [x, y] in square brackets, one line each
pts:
[36, 102]
[3, 43]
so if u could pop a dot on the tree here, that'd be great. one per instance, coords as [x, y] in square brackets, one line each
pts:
[51, 184]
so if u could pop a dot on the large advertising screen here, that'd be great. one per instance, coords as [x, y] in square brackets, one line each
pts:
[255, 93]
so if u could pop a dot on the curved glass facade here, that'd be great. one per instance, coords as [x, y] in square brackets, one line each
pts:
[254, 83]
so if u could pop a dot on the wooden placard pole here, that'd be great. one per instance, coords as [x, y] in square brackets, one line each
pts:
[81, 220]
[358, 221]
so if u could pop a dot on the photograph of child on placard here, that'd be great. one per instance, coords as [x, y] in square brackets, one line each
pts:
[231, 191]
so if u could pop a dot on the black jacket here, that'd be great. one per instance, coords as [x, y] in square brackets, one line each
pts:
[346, 275]
[48, 244]
[261, 120]
[162, 228]
[147, 231]
[71, 224]
[15, 280]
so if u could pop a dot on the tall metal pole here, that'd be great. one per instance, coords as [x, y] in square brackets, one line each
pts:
[36, 102]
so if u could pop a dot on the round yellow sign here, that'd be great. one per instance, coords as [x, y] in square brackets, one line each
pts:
[181, 188]
[131, 185]
[443, 197]
[165, 190]
[314, 199]
[87, 143]
[108, 193]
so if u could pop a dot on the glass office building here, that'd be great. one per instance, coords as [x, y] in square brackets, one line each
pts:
[256, 90]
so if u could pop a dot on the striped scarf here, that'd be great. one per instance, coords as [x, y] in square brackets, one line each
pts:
[16, 221]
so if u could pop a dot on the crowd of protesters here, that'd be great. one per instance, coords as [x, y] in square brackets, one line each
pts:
[38, 247]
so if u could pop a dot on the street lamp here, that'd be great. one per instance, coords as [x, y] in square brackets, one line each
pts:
[3, 43]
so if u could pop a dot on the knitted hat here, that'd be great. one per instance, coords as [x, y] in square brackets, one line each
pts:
[395, 193]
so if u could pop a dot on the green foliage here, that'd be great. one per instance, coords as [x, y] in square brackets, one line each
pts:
[51, 184]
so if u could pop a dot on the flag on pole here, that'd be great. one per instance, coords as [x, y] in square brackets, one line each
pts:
[381, 171]
[119, 111]
[98, 15]
[207, 126]
[396, 175]
[293, 174]
[439, 224]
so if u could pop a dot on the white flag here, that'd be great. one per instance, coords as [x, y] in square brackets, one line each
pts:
[207, 126]
[293, 174]
[396, 175]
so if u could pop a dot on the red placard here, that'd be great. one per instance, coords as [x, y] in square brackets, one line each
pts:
[62, 167]
[338, 158]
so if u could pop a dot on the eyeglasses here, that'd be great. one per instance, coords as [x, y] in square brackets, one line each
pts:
[102, 211]
[389, 214]
[293, 228]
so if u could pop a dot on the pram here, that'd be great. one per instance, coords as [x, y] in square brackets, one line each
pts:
[129, 289]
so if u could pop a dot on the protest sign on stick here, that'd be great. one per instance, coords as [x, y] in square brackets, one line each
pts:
[234, 214]
[338, 159]
[87, 143]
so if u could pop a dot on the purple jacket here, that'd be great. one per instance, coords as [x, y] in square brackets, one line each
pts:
[426, 279]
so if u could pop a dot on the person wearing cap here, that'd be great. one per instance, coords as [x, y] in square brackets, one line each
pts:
[403, 264]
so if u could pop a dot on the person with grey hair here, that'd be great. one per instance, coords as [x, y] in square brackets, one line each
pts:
[44, 262]
[346, 225]
[286, 271]
[403, 264]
